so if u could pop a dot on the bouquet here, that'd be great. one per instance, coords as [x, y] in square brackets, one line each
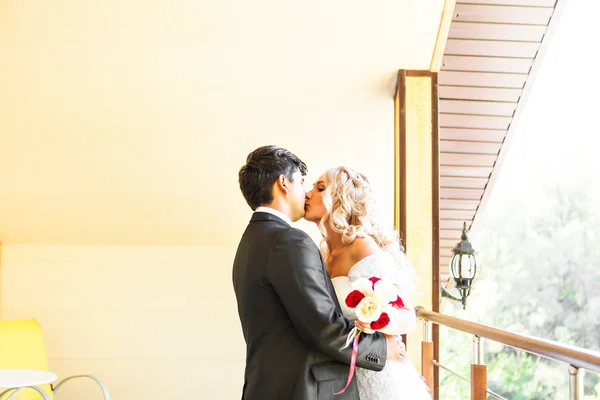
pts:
[377, 304]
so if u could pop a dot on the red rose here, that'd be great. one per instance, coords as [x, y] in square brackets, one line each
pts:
[353, 298]
[382, 322]
[374, 279]
[398, 303]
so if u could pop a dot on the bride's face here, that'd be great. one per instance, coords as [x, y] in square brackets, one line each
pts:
[314, 208]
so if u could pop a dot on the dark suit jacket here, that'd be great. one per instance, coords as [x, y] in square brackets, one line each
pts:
[291, 319]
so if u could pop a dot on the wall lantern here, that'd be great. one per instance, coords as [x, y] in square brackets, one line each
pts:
[463, 268]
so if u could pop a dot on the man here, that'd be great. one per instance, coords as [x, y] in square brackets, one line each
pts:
[291, 319]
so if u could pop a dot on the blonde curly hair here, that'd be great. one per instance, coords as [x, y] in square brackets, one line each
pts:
[350, 208]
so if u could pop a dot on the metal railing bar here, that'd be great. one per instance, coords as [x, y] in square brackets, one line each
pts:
[437, 364]
[575, 356]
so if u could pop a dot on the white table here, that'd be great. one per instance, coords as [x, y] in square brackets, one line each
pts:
[22, 378]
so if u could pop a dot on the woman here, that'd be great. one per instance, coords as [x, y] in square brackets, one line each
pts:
[354, 246]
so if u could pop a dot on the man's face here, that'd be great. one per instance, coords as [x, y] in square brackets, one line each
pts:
[297, 196]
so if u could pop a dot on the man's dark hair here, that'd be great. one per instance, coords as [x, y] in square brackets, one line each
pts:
[263, 166]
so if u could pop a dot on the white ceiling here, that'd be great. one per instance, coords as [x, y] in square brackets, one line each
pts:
[126, 122]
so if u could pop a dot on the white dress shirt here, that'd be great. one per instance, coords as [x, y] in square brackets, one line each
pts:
[276, 213]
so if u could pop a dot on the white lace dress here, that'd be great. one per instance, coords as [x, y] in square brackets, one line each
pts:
[399, 380]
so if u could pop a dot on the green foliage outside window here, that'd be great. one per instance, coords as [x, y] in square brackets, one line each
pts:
[540, 275]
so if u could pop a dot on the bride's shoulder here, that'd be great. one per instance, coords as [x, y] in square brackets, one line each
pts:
[367, 258]
[374, 264]
[362, 247]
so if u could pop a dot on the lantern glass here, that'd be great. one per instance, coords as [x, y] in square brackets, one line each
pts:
[463, 266]
[469, 266]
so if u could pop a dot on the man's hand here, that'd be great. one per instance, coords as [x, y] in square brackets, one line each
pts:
[396, 350]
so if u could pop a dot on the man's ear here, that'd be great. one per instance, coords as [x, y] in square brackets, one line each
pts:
[281, 183]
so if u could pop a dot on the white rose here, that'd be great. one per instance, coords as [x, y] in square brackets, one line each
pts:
[386, 291]
[392, 312]
[368, 310]
[363, 285]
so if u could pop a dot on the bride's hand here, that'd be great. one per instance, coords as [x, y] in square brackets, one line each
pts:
[399, 345]
[363, 327]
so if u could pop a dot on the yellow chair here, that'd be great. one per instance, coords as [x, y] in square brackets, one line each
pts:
[22, 347]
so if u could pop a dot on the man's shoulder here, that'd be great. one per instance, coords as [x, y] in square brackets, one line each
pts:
[296, 234]
[294, 240]
[273, 232]
[295, 247]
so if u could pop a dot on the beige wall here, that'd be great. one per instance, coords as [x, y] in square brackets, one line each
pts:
[153, 322]
[124, 123]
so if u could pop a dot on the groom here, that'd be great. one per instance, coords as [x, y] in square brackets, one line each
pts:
[291, 319]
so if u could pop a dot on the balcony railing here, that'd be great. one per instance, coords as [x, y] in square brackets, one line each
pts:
[577, 359]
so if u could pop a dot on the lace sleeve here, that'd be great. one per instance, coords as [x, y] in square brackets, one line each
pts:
[391, 265]
[404, 273]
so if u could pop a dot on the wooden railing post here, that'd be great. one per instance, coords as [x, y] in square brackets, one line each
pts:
[478, 371]
[427, 356]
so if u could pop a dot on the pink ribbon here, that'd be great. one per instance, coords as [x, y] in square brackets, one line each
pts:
[352, 363]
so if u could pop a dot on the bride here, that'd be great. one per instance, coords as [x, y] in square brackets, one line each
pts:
[354, 246]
